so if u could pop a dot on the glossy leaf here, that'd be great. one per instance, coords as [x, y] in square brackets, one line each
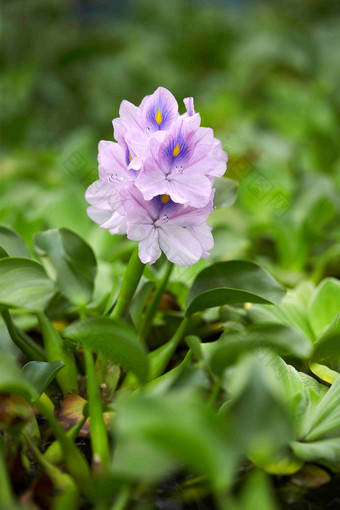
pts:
[12, 244]
[117, 342]
[24, 284]
[70, 261]
[41, 373]
[235, 281]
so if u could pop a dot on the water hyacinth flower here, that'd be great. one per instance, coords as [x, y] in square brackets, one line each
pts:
[160, 224]
[156, 182]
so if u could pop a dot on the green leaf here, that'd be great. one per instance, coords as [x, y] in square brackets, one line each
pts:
[291, 312]
[177, 428]
[323, 372]
[12, 380]
[257, 493]
[41, 373]
[301, 392]
[117, 342]
[263, 424]
[24, 284]
[328, 344]
[236, 281]
[324, 306]
[325, 419]
[282, 339]
[226, 192]
[12, 244]
[70, 261]
[325, 450]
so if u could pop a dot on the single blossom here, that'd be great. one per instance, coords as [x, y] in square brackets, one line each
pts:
[163, 225]
[156, 182]
[104, 195]
[179, 165]
[152, 118]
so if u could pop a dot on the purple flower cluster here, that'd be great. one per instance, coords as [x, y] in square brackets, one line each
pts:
[156, 183]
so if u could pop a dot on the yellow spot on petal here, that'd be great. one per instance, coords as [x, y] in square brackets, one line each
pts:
[165, 199]
[130, 157]
[176, 150]
[158, 117]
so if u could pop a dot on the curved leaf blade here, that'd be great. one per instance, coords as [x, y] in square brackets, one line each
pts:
[41, 373]
[235, 281]
[12, 244]
[71, 262]
[283, 340]
[118, 342]
[24, 284]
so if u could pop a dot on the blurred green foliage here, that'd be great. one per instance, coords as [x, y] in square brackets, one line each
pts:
[264, 75]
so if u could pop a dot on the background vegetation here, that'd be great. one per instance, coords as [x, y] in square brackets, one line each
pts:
[264, 75]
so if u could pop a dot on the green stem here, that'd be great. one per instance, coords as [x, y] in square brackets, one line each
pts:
[122, 499]
[32, 350]
[60, 480]
[99, 439]
[55, 350]
[154, 303]
[54, 453]
[6, 495]
[75, 462]
[159, 358]
[133, 274]
[215, 391]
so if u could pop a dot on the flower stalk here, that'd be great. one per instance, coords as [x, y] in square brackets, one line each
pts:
[6, 495]
[55, 350]
[154, 303]
[132, 276]
[32, 350]
[99, 439]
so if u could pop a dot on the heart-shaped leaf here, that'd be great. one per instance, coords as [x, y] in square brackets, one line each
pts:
[235, 281]
[118, 342]
[24, 284]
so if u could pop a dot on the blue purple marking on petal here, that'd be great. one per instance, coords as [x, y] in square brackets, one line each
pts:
[152, 113]
[183, 150]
